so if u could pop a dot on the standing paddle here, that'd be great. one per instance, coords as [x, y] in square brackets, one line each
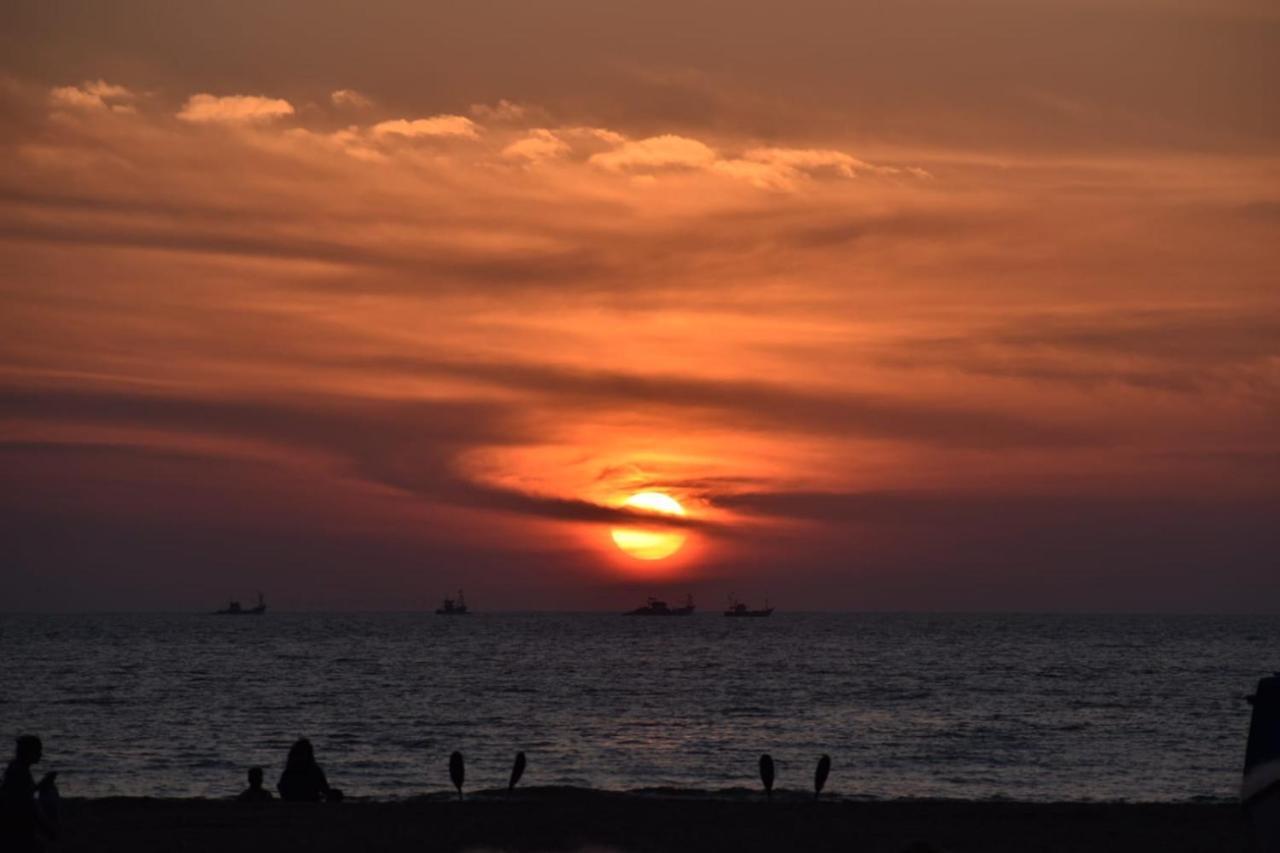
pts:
[820, 775]
[516, 772]
[766, 774]
[456, 771]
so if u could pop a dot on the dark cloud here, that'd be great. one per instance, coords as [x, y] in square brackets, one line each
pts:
[1264, 211]
[1049, 552]
[1184, 351]
[317, 422]
[1206, 336]
[411, 447]
[438, 266]
[772, 406]
[977, 510]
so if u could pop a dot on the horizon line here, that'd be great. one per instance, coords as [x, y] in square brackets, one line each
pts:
[708, 611]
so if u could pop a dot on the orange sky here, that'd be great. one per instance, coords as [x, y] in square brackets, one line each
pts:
[959, 306]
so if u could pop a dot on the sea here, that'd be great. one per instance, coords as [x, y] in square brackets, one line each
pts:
[965, 706]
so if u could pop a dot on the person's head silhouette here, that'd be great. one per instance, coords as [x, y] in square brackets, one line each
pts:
[255, 777]
[301, 753]
[28, 750]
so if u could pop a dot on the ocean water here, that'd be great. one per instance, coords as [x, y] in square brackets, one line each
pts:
[1136, 708]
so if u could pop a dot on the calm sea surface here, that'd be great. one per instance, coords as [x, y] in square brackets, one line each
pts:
[1024, 707]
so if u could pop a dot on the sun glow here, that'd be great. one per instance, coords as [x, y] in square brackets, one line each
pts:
[650, 543]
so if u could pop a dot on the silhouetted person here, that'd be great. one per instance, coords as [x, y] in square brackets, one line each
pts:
[28, 812]
[255, 793]
[457, 772]
[302, 780]
[766, 774]
[820, 775]
[517, 770]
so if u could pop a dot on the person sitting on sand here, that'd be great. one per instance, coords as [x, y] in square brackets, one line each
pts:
[255, 793]
[28, 811]
[302, 779]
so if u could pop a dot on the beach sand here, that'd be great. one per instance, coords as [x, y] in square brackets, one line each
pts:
[583, 820]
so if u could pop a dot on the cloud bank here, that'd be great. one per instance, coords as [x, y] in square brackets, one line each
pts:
[289, 332]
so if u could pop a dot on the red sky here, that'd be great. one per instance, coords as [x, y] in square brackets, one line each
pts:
[912, 306]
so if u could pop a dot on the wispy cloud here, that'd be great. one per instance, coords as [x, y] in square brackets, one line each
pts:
[441, 125]
[94, 95]
[657, 152]
[350, 99]
[233, 109]
[541, 144]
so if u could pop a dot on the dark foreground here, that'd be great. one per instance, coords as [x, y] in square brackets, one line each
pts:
[576, 820]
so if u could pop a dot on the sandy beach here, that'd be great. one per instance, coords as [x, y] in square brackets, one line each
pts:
[574, 820]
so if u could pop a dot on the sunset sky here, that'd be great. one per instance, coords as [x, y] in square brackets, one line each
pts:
[918, 305]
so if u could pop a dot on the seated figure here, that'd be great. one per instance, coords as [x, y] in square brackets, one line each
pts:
[302, 779]
[255, 793]
[28, 811]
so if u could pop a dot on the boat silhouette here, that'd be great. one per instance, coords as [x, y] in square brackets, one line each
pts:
[658, 607]
[234, 608]
[738, 610]
[453, 606]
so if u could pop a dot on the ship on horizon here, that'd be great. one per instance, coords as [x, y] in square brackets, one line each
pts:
[658, 607]
[234, 608]
[739, 610]
[453, 606]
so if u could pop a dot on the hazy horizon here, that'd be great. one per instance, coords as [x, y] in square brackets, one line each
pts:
[711, 611]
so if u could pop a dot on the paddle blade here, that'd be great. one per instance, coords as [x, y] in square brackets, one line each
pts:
[456, 771]
[516, 771]
[766, 773]
[820, 775]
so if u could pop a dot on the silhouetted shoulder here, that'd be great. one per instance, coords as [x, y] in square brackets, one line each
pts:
[303, 784]
[17, 781]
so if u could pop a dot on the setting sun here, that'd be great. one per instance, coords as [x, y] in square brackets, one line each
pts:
[645, 543]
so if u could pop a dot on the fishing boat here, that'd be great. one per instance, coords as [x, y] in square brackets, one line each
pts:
[739, 610]
[453, 606]
[658, 607]
[234, 608]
